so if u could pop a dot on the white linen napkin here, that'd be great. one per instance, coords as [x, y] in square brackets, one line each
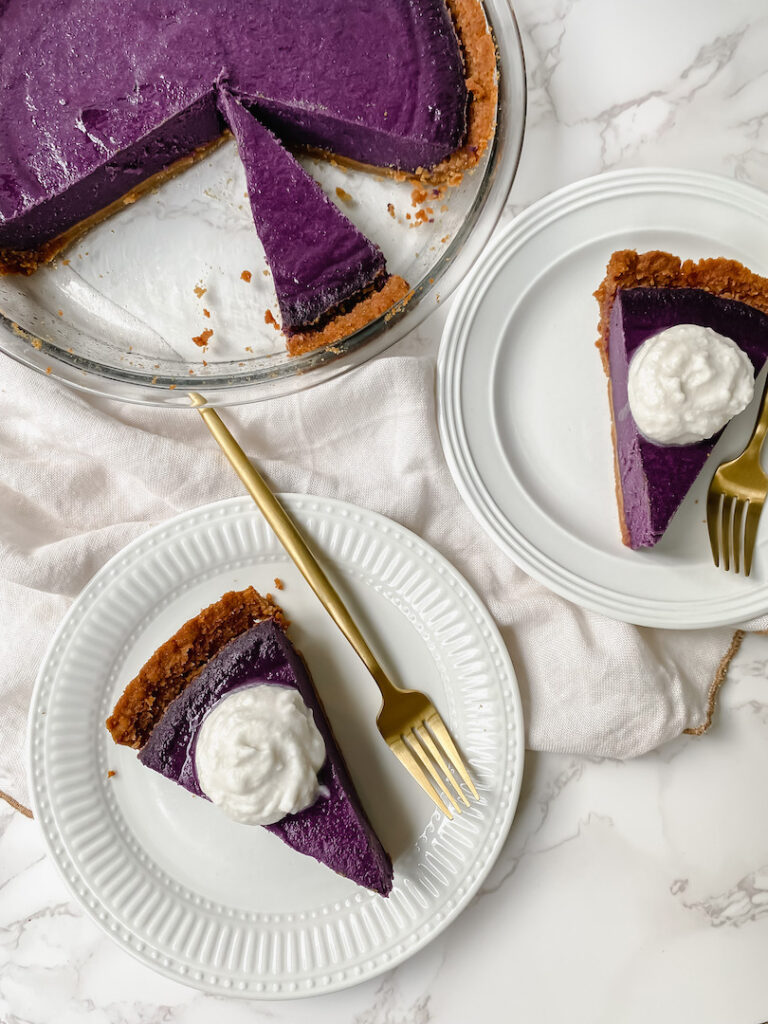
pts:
[81, 476]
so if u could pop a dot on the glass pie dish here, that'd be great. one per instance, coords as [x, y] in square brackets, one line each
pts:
[127, 310]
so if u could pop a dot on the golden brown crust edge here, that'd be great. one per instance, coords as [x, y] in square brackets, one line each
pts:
[365, 310]
[180, 659]
[625, 536]
[479, 52]
[728, 279]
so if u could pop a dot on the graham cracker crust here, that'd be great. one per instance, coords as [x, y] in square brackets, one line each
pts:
[479, 52]
[368, 308]
[14, 261]
[728, 279]
[625, 537]
[179, 660]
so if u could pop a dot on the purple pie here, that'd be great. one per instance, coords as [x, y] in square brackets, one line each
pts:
[119, 96]
[223, 649]
[641, 295]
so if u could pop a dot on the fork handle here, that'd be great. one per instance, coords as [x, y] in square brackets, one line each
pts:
[757, 439]
[289, 536]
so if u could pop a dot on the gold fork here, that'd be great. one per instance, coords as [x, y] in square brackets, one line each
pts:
[408, 720]
[735, 500]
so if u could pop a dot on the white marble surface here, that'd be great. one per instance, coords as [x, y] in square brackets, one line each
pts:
[626, 892]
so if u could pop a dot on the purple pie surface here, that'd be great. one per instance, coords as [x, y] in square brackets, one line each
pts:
[117, 92]
[335, 829]
[655, 478]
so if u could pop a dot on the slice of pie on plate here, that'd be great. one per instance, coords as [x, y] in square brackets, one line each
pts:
[230, 653]
[642, 295]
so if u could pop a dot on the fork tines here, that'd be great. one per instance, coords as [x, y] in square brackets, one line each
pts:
[420, 752]
[732, 524]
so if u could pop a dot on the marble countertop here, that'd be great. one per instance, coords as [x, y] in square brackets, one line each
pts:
[626, 892]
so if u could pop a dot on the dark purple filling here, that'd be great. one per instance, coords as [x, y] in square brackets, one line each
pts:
[95, 96]
[335, 829]
[655, 478]
[317, 256]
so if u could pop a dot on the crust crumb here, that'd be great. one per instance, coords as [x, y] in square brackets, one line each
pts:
[201, 340]
[199, 291]
[246, 276]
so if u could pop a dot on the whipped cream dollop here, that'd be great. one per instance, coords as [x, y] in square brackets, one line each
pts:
[257, 754]
[686, 382]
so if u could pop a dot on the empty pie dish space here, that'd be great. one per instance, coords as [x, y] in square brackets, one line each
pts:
[117, 312]
[227, 907]
[523, 409]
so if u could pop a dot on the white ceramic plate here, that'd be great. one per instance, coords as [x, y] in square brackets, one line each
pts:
[523, 404]
[227, 907]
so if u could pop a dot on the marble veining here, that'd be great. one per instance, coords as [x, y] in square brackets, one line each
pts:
[626, 892]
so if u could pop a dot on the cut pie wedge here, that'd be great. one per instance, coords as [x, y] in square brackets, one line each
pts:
[323, 268]
[223, 649]
[641, 295]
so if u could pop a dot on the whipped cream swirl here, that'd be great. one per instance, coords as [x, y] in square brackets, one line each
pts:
[686, 383]
[258, 753]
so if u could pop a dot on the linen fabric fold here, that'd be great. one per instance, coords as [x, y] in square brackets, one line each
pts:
[81, 476]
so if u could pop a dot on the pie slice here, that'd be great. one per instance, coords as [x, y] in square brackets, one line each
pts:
[227, 647]
[641, 295]
[322, 267]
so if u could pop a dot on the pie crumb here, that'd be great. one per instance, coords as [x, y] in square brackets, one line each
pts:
[246, 276]
[207, 313]
[201, 340]
[391, 210]
[199, 291]
[111, 774]
[279, 585]
[343, 195]
[269, 319]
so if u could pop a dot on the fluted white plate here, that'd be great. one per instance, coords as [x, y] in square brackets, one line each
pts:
[227, 907]
[523, 404]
